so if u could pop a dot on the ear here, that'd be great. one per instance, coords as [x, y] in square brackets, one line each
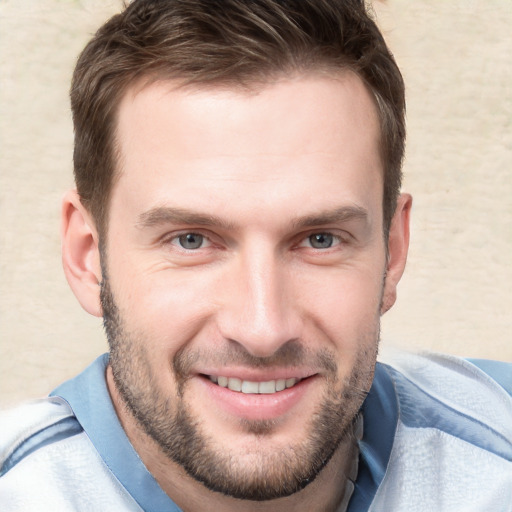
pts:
[398, 245]
[80, 253]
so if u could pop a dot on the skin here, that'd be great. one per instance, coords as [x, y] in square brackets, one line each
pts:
[256, 175]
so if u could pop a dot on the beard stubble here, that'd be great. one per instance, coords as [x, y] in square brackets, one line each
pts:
[259, 475]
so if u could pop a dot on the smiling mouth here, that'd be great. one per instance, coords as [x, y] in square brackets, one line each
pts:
[252, 387]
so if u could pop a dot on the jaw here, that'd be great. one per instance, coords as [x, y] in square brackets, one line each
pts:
[260, 458]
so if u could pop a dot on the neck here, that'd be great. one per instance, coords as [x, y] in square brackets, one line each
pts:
[327, 493]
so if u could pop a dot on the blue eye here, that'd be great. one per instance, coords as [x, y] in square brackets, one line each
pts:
[191, 241]
[321, 240]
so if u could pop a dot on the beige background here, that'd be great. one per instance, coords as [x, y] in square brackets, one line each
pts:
[456, 295]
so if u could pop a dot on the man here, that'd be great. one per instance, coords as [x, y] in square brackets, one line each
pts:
[238, 225]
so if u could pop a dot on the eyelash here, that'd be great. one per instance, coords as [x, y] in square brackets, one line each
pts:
[336, 240]
[303, 241]
[175, 240]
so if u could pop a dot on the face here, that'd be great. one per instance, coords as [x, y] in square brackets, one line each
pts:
[243, 275]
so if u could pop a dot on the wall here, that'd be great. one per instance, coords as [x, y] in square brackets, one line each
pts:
[456, 295]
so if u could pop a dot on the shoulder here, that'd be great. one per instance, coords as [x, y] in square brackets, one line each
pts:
[499, 371]
[453, 442]
[476, 389]
[48, 463]
[32, 425]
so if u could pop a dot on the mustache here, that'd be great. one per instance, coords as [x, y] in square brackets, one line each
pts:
[291, 354]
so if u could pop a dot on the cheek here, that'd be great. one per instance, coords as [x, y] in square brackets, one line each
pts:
[347, 290]
[169, 307]
[345, 307]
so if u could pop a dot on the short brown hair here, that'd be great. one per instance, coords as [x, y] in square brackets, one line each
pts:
[233, 43]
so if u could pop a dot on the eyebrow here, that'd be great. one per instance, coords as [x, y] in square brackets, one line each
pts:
[337, 216]
[168, 215]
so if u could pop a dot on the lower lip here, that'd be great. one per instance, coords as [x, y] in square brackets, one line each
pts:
[257, 406]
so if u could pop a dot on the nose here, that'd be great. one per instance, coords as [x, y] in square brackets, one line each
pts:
[259, 308]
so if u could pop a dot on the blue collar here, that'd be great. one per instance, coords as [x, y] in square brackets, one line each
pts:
[88, 396]
[380, 413]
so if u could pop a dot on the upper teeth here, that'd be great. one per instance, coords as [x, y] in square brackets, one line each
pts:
[247, 386]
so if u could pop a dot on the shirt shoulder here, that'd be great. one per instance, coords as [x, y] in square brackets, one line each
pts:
[47, 463]
[453, 442]
[457, 389]
[499, 371]
[30, 426]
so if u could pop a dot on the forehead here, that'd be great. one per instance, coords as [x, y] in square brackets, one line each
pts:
[326, 102]
[284, 140]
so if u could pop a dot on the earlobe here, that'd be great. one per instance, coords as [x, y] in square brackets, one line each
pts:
[398, 246]
[80, 253]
